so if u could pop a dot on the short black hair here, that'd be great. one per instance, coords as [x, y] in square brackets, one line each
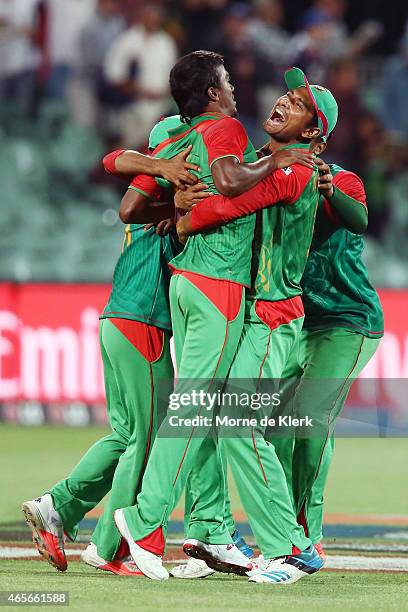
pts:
[190, 79]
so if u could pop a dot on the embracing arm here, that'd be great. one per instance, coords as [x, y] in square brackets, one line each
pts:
[137, 208]
[345, 198]
[139, 204]
[129, 163]
[226, 142]
[280, 186]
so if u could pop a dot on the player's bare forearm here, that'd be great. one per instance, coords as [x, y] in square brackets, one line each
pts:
[232, 178]
[177, 170]
[136, 208]
[133, 163]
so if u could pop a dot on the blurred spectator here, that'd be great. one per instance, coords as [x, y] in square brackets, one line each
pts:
[344, 82]
[341, 43]
[235, 45]
[395, 91]
[18, 55]
[312, 44]
[138, 65]
[95, 40]
[65, 20]
[271, 42]
[324, 38]
[200, 20]
[372, 143]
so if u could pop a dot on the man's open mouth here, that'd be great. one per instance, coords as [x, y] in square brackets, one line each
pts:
[278, 116]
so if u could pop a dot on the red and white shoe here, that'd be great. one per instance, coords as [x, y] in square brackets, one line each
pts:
[320, 551]
[120, 567]
[225, 558]
[150, 564]
[47, 530]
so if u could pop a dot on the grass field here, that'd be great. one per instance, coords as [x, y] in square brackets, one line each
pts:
[367, 480]
[88, 590]
[366, 476]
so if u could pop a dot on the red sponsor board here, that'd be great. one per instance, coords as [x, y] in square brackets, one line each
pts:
[49, 350]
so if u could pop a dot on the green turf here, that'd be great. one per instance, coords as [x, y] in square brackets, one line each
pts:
[366, 475]
[336, 591]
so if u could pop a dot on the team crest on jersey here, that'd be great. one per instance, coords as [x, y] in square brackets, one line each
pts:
[287, 170]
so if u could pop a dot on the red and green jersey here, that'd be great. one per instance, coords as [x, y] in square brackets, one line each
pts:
[223, 252]
[140, 288]
[284, 228]
[336, 288]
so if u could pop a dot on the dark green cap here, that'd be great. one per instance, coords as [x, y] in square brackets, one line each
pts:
[322, 99]
[161, 129]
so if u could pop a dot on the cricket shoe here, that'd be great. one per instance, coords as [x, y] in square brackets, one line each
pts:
[240, 543]
[320, 551]
[121, 567]
[149, 564]
[225, 558]
[286, 570]
[47, 530]
[194, 568]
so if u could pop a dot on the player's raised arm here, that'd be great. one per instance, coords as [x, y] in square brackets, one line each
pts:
[130, 163]
[346, 196]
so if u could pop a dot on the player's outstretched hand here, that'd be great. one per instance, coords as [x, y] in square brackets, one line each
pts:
[186, 198]
[325, 183]
[177, 169]
[283, 158]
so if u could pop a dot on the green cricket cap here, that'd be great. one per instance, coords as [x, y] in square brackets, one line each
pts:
[161, 129]
[322, 99]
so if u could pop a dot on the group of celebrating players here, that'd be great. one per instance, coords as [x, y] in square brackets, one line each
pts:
[252, 261]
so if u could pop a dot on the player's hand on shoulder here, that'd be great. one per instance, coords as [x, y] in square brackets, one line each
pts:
[186, 198]
[283, 158]
[325, 183]
[177, 170]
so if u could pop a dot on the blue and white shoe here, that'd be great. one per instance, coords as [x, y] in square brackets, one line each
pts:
[240, 543]
[287, 570]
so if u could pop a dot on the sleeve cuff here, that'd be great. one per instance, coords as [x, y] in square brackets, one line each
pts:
[143, 193]
[223, 157]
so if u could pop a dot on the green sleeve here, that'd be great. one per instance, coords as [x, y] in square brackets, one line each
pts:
[353, 213]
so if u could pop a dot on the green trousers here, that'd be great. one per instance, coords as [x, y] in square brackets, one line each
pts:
[207, 317]
[199, 503]
[116, 462]
[258, 473]
[326, 362]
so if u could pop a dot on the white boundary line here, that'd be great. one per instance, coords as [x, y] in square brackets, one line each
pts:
[337, 562]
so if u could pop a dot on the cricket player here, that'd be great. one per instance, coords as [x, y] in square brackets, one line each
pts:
[341, 332]
[273, 317]
[134, 338]
[207, 305]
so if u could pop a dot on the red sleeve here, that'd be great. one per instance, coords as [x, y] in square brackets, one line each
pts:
[351, 185]
[283, 185]
[109, 162]
[225, 138]
[147, 186]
